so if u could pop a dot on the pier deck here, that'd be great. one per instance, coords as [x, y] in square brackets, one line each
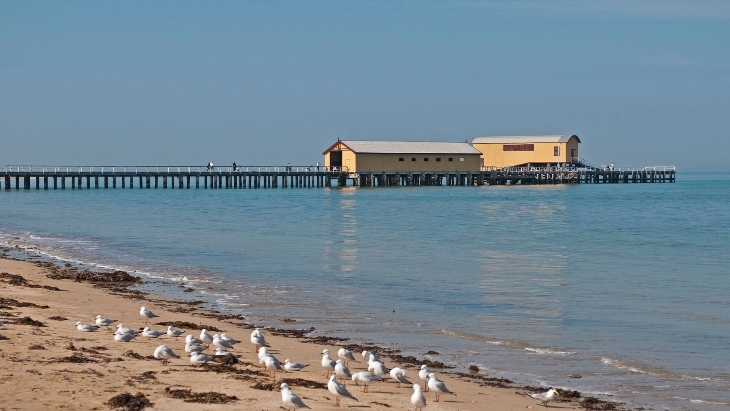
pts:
[179, 177]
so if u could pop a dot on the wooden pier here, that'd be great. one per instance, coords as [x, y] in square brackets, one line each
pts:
[185, 177]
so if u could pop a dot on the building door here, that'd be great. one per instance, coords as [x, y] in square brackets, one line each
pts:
[336, 159]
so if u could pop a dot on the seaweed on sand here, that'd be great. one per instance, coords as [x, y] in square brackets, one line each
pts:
[200, 397]
[128, 402]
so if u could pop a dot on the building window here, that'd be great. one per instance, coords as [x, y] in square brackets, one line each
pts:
[461, 159]
[438, 158]
[413, 159]
[451, 158]
[556, 151]
[518, 147]
[425, 158]
[400, 159]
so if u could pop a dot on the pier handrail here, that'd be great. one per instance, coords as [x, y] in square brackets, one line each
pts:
[170, 169]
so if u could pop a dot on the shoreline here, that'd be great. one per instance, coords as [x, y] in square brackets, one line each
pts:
[117, 300]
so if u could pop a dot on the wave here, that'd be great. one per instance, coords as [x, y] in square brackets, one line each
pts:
[647, 369]
[519, 345]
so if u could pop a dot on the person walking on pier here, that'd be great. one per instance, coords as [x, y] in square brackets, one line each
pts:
[235, 168]
[317, 165]
[210, 165]
[288, 167]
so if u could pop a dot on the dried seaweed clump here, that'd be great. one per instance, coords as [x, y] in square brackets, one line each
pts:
[299, 382]
[11, 302]
[58, 318]
[591, 403]
[92, 276]
[128, 402]
[132, 354]
[36, 347]
[200, 397]
[186, 325]
[29, 321]
[77, 358]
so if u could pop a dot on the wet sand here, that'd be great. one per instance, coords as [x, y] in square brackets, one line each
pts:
[49, 365]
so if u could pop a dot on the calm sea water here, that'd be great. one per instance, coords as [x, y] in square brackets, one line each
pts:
[626, 285]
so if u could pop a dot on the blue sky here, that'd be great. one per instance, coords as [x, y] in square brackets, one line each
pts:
[266, 83]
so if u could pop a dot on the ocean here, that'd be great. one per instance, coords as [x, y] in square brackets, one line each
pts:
[624, 285]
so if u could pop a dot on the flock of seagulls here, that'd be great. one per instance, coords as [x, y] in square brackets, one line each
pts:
[335, 369]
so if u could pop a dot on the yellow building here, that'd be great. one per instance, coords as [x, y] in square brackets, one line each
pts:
[358, 156]
[538, 151]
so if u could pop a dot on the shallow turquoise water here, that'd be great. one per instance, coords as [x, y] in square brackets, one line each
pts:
[625, 285]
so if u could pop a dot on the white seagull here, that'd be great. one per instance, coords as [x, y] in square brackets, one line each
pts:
[423, 375]
[258, 340]
[365, 377]
[290, 365]
[272, 364]
[174, 332]
[190, 339]
[338, 390]
[291, 401]
[164, 353]
[104, 322]
[205, 337]
[544, 398]
[199, 358]
[342, 371]
[327, 362]
[126, 330]
[123, 337]
[399, 375]
[228, 339]
[192, 347]
[377, 367]
[86, 327]
[437, 386]
[221, 343]
[147, 314]
[367, 354]
[346, 355]
[418, 399]
[150, 333]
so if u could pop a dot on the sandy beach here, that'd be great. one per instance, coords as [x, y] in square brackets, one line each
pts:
[50, 365]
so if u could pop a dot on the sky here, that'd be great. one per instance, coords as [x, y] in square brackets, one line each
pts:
[641, 82]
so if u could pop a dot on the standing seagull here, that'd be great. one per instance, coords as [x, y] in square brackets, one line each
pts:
[399, 375]
[327, 362]
[377, 367]
[437, 386]
[272, 364]
[206, 337]
[365, 377]
[257, 339]
[291, 401]
[418, 399]
[342, 371]
[544, 398]
[164, 353]
[338, 390]
[423, 375]
[147, 314]
[346, 355]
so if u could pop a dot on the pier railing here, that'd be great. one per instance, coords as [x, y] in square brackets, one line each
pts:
[143, 170]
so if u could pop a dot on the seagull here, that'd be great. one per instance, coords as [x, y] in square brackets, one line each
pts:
[342, 371]
[272, 364]
[174, 332]
[192, 347]
[365, 377]
[327, 362]
[85, 327]
[147, 314]
[164, 353]
[125, 330]
[399, 375]
[377, 367]
[104, 322]
[123, 337]
[219, 343]
[423, 375]
[367, 354]
[205, 337]
[150, 333]
[219, 352]
[190, 339]
[338, 390]
[258, 340]
[230, 340]
[293, 366]
[2, 324]
[199, 358]
[346, 355]
[418, 399]
[437, 386]
[291, 400]
[544, 398]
